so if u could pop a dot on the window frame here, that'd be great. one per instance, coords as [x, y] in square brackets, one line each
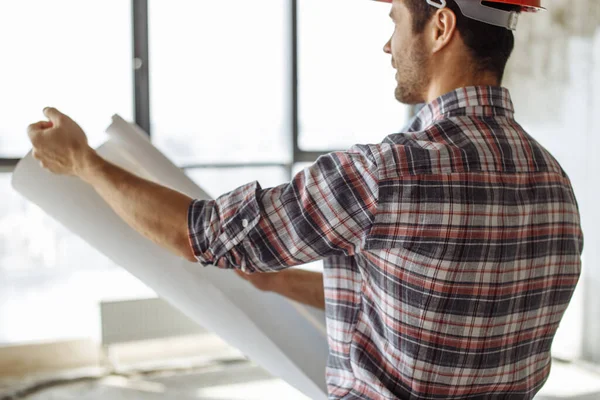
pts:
[141, 93]
[142, 90]
[7, 165]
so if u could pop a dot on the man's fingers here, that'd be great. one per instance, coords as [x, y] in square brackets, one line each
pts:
[34, 130]
[53, 114]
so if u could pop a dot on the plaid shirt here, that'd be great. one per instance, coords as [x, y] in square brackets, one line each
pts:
[451, 252]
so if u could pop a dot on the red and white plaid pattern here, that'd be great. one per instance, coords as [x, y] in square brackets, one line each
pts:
[451, 252]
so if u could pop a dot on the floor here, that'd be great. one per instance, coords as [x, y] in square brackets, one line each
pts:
[115, 389]
[245, 381]
[242, 381]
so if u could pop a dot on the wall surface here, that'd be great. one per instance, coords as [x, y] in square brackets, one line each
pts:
[554, 78]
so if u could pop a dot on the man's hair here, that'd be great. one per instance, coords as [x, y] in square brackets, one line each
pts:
[490, 46]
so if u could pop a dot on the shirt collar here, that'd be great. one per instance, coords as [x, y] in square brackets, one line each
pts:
[476, 101]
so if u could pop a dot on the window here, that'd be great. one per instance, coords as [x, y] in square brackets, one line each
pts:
[219, 81]
[53, 56]
[346, 81]
[50, 280]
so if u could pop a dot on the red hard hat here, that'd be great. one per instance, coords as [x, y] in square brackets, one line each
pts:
[526, 5]
[484, 10]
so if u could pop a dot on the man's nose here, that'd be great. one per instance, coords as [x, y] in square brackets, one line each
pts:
[388, 47]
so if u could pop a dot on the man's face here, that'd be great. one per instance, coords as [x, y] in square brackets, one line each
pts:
[409, 56]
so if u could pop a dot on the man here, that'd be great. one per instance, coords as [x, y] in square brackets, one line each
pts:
[450, 250]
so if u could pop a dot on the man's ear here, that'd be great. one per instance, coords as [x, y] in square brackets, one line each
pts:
[442, 29]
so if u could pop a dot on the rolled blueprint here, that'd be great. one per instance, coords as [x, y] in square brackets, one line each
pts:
[283, 337]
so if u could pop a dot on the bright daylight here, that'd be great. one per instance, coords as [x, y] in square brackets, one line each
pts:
[299, 199]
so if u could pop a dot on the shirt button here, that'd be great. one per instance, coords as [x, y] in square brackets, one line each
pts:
[244, 223]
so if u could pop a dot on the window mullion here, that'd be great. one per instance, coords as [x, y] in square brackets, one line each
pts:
[294, 91]
[141, 64]
[8, 164]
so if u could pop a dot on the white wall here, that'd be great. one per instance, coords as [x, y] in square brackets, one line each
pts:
[554, 77]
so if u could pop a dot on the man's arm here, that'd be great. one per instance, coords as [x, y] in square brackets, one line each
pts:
[302, 286]
[328, 209]
[156, 212]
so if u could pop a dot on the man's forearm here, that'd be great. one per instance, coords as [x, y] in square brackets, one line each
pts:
[305, 287]
[157, 212]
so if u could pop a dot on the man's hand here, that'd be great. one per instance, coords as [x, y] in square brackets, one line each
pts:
[266, 282]
[157, 212]
[60, 144]
[305, 287]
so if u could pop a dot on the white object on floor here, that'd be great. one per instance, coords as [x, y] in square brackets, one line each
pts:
[275, 333]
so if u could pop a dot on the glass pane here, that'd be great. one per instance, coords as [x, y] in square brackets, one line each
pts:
[219, 80]
[51, 281]
[346, 82]
[71, 54]
[218, 181]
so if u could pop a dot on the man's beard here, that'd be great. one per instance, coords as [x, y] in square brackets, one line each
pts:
[413, 76]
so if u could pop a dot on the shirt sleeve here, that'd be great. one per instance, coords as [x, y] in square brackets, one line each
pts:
[327, 209]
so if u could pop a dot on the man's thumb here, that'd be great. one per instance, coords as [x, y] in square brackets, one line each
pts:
[53, 114]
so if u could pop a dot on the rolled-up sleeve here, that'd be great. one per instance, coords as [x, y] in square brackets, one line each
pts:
[327, 209]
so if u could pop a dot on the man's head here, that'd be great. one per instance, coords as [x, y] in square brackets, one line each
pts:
[435, 48]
